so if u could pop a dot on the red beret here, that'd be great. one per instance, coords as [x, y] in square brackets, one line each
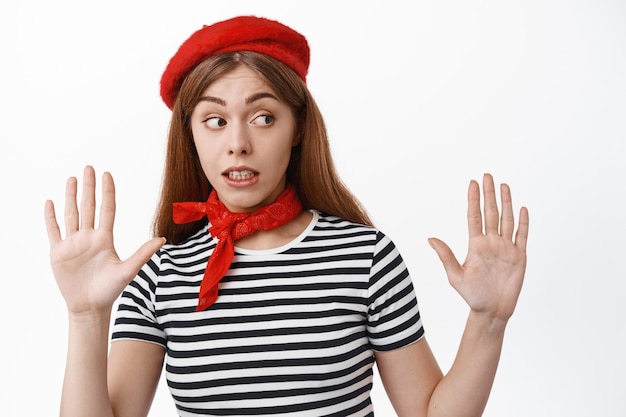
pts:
[243, 33]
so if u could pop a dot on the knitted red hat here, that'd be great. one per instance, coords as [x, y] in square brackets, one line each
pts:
[243, 33]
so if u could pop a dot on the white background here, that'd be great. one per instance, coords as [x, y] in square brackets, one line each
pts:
[418, 101]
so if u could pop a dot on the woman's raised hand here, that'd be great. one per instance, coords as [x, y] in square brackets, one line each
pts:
[490, 279]
[86, 267]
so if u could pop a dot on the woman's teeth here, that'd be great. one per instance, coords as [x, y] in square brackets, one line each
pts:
[240, 175]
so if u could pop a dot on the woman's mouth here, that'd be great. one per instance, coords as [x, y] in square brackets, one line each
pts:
[240, 175]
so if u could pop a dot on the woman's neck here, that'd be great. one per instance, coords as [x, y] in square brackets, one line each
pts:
[280, 236]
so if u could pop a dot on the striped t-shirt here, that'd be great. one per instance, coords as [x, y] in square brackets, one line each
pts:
[293, 331]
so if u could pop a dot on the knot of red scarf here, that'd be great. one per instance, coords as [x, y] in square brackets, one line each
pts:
[228, 227]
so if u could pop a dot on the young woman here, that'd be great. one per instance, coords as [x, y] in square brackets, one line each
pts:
[267, 290]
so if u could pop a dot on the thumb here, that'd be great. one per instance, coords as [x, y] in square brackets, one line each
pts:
[134, 262]
[449, 261]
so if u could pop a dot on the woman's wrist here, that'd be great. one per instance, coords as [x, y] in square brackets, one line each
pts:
[487, 323]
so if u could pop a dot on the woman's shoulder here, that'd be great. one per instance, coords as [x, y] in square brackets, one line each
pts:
[331, 225]
[197, 242]
[333, 221]
[335, 225]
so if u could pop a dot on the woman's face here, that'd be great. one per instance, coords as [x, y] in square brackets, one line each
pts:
[243, 134]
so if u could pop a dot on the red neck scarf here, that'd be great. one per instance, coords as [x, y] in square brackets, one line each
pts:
[228, 227]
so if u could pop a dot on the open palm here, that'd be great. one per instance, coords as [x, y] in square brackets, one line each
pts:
[490, 279]
[86, 267]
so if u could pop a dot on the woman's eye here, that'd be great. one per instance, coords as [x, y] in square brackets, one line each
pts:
[264, 119]
[215, 122]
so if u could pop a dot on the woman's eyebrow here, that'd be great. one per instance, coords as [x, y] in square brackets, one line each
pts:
[250, 99]
[258, 96]
[213, 100]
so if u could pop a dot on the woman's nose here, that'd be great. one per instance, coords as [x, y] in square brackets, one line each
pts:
[239, 142]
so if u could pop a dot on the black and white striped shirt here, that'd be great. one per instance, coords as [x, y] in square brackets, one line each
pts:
[294, 329]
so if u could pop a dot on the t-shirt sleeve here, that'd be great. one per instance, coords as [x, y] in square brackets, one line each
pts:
[136, 318]
[393, 315]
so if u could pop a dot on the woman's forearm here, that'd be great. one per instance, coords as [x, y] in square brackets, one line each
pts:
[465, 389]
[85, 383]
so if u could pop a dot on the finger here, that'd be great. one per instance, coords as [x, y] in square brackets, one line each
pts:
[52, 227]
[474, 216]
[507, 221]
[450, 264]
[490, 205]
[71, 209]
[134, 263]
[107, 208]
[521, 236]
[88, 200]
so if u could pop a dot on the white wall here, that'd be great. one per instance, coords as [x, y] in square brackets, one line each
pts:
[417, 102]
